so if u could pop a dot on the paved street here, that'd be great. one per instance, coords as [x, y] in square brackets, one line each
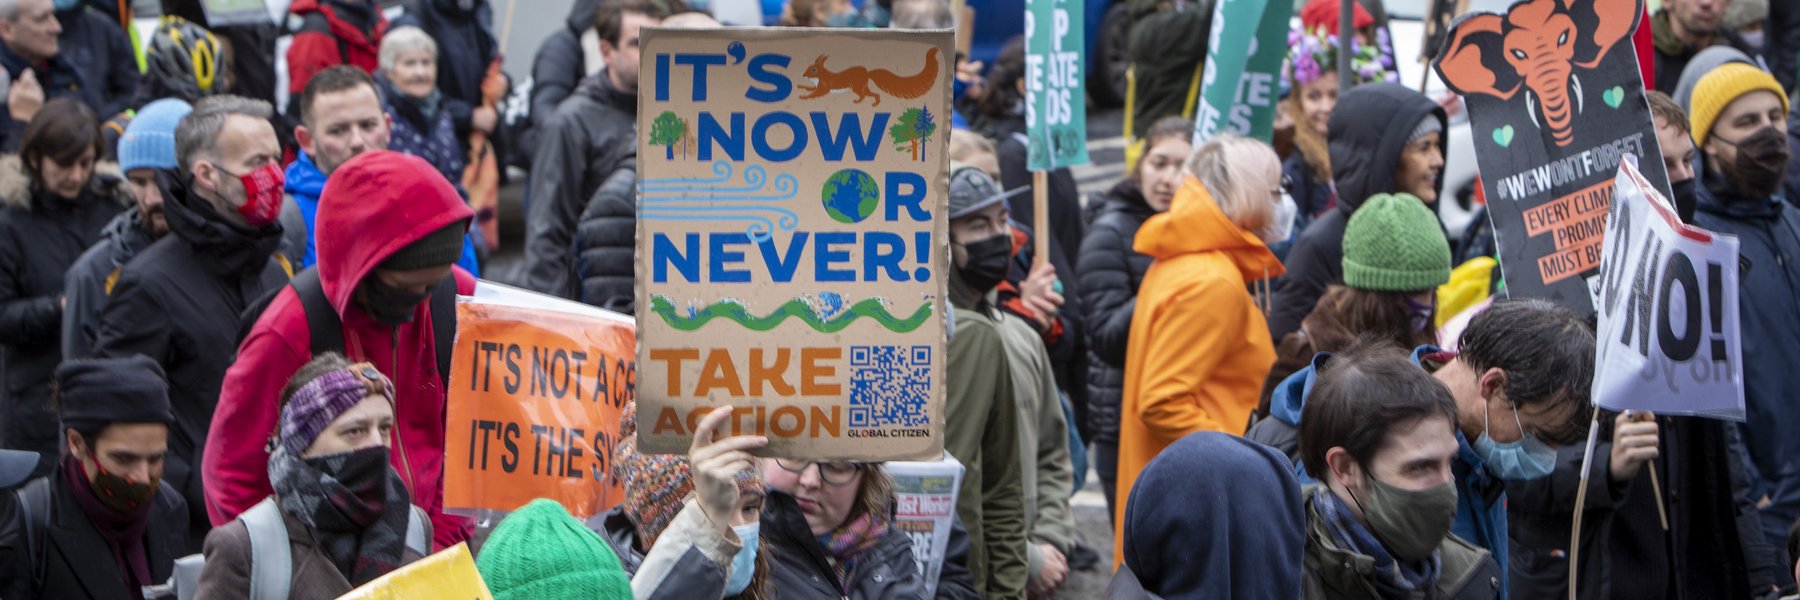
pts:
[1106, 150]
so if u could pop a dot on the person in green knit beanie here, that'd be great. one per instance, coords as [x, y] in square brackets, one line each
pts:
[540, 552]
[1395, 257]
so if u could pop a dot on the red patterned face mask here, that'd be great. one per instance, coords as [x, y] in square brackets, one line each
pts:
[262, 194]
[120, 493]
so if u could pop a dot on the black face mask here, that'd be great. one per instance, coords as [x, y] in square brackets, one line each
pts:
[388, 304]
[988, 262]
[1686, 197]
[1762, 159]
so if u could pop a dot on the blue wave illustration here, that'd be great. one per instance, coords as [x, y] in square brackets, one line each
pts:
[754, 178]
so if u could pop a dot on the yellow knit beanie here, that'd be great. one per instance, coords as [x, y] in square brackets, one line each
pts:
[1719, 88]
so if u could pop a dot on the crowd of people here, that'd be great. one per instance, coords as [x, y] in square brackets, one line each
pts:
[226, 314]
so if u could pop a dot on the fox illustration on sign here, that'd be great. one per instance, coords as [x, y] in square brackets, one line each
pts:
[1541, 46]
[857, 79]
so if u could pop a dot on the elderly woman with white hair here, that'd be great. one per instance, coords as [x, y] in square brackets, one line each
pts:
[421, 126]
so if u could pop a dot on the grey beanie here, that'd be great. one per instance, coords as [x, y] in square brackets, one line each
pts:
[1427, 126]
[972, 190]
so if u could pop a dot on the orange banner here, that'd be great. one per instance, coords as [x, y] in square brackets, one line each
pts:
[534, 404]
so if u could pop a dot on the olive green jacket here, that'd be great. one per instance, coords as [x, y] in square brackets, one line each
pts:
[981, 429]
[1333, 573]
[1049, 478]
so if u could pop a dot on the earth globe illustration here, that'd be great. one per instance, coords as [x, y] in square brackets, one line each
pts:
[850, 196]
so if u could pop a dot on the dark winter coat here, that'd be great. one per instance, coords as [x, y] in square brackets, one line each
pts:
[1166, 48]
[1768, 232]
[1311, 195]
[59, 78]
[1369, 128]
[101, 51]
[315, 577]
[466, 46]
[431, 136]
[331, 33]
[175, 302]
[41, 235]
[557, 68]
[592, 132]
[606, 242]
[75, 560]
[86, 285]
[1110, 274]
[685, 569]
[885, 570]
[1781, 47]
[1672, 54]
[1539, 515]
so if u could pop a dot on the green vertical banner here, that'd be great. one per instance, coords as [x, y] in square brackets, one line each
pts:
[1055, 99]
[1242, 82]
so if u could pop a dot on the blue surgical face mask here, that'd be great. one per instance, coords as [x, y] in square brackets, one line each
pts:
[743, 566]
[62, 5]
[1527, 458]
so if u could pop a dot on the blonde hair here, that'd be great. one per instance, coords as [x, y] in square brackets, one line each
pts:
[965, 143]
[1229, 165]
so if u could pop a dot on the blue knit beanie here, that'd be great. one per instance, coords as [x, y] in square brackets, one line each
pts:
[149, 140]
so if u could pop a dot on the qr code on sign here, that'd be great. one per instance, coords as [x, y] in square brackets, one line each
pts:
[889, 385]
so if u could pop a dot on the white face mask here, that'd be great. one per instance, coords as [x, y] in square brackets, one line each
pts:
[1281, 227]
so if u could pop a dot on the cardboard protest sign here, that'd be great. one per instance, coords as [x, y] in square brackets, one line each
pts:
[791, 244]
[1055, 97]
[1242, 81]
[534, 402]
[450, 573]
[1668, 338]
[925, 497]
[1555, 99]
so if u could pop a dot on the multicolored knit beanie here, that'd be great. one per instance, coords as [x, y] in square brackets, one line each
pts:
[657, 484]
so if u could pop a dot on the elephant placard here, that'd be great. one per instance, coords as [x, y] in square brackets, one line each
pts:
[1555, 100]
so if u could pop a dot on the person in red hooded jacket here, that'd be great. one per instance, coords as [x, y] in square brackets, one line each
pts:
[389, 229]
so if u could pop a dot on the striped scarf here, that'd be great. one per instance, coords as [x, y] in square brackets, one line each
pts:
[844, 545]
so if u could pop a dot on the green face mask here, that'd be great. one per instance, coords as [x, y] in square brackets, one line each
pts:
[1410, 523]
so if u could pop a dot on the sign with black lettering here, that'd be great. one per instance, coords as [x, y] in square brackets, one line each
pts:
[534, 404]
[1667, 340]
[1555, 101]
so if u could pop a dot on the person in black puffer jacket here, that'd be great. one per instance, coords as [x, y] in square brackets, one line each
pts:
[557, 68]
[1374, 129]
[605, 240]
[1110, 273]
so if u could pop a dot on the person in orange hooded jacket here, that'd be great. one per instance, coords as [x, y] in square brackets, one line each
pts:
[1199, 345]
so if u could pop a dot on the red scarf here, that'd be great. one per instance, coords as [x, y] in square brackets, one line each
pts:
[123, 532]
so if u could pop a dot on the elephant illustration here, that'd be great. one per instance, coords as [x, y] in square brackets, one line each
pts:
[1542, 46]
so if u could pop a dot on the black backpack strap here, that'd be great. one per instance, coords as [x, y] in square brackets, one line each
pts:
[322, 321]
[34, 511]
[443, 324]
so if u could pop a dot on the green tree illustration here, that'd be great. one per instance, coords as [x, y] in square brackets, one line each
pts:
[912, 130]
[667, 131]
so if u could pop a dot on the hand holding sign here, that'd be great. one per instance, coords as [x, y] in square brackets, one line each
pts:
[1634, 443]
[715, 464]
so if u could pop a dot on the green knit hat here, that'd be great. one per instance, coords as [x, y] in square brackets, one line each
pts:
[540, 552]
[1394, 243]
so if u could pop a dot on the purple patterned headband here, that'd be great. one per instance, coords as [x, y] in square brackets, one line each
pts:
[315, 405]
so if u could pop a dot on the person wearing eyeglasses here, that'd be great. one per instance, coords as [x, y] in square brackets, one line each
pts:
[834, 523]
